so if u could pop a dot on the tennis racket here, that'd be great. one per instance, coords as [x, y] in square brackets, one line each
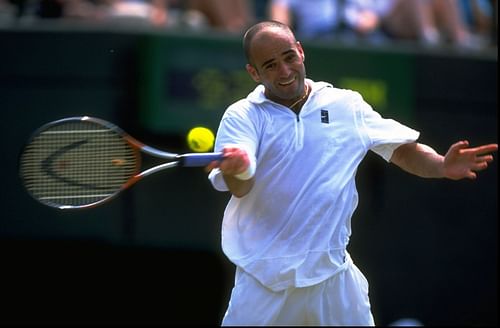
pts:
[82, 162]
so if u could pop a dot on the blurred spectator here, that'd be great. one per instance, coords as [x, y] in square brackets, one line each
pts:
[479, 17]
[367, 18]
[153, 12]
[233, 16]
[261, 9]
[7, 12]
[448, 19]
[50, 8]
[159, 13]
[145, 12]
[309, 19]
[32, 10]
[432, 22]
[227, 15]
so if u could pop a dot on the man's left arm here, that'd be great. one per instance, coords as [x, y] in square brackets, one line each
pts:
[459, 162]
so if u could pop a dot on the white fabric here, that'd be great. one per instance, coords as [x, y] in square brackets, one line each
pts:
[338, 301]
[293, 228]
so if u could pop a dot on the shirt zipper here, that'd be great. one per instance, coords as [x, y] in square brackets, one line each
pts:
[299, 132]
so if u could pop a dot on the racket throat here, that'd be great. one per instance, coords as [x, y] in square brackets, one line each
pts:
[155, 169]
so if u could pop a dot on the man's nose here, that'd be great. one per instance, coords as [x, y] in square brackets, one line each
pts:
[283, 70]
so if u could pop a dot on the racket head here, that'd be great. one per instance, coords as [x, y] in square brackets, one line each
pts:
[78, 162]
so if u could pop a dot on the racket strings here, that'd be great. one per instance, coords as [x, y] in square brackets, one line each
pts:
[77, 163]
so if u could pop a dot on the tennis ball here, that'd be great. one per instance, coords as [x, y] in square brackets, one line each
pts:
[200, 139]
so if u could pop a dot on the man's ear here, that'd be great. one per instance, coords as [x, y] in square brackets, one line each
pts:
[253, 73]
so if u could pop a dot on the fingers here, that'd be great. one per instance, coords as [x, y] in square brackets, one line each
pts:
[211, 166]
[479, 166]
[235, 160]
[464, 162]
[485, 149]
[462, 148]
[480, 160]
[477, 154]
[460, 145]
[485, 158]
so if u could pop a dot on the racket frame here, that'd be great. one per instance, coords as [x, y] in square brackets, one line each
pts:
[186, 160]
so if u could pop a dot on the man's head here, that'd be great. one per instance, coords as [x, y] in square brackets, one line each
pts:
[275, 59]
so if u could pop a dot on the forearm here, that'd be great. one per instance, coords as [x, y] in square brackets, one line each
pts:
[237, 187]
[420, 160]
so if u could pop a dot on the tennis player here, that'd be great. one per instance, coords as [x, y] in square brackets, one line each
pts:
[292, 148]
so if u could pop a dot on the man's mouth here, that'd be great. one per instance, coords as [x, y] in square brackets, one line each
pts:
[287, 83]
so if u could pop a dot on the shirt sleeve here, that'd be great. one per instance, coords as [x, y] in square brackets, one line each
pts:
[237, 127]
[384, 135]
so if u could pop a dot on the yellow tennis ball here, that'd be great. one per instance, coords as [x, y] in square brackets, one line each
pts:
[200, 139]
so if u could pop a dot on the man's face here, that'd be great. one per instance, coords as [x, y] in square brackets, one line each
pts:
[278, 63]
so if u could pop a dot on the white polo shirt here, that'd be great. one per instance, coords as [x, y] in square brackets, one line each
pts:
[293, 227]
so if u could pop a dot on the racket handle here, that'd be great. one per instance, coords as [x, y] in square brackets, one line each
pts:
[198, 159]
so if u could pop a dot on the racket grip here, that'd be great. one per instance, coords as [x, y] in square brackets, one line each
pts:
[199, 159]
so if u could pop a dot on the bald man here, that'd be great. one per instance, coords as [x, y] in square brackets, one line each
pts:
[291, 151]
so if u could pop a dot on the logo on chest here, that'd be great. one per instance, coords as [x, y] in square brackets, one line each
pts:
[324, 116]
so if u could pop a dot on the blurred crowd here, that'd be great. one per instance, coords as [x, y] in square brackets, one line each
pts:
[470, 24]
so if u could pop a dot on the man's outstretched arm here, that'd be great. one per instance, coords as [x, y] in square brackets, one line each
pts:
[459, 162]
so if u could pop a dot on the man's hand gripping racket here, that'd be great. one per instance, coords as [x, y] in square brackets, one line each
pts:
[82, 162]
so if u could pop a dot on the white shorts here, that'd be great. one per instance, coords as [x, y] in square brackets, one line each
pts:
[340, 300]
